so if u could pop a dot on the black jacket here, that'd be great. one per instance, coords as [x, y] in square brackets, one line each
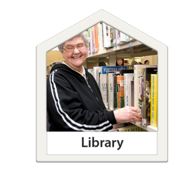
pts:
[74, 103]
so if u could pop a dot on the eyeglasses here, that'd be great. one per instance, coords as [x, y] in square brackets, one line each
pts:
[71, 48]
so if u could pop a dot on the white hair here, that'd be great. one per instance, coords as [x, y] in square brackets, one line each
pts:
[61, 46]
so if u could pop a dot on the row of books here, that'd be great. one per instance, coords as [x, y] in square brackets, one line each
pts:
[102, 36]
[121, 86]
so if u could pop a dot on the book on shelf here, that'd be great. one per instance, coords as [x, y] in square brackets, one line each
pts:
[128, 89]
[137, 87]
[104, 89]
[107, 74]
[119, 87]
[146, 100]
[106, 36]
[154, 101]
[96, 40]
[113, 36]
[110, 91]
[102, 37]
[96, 74]
[142, 88]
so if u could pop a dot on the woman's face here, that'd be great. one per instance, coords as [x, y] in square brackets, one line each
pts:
[75, 52]
[120, 62]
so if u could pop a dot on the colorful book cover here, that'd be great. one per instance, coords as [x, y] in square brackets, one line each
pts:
[154, 101]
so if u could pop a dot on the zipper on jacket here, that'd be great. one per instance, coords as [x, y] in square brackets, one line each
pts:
[91, 88]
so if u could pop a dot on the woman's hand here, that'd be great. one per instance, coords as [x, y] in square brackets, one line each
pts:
[127, 114]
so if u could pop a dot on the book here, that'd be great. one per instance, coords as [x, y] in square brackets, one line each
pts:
[154, 101]
[100, 37]
[120, 90]
[140, 88]
[128, 89]
[106, 36]
[103, 89]
[96, 39]
[96, 74]
[110, 91]
[146, 97]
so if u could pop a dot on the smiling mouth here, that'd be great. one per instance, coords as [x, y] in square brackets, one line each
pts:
[77, 56]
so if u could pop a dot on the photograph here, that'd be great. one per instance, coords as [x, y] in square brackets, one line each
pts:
[102, 80]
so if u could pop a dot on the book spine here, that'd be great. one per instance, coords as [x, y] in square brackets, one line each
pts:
[128, 78]
[120, 91]
[154, 101]
[106, 36]
[103, 89]
[111, 91]
[138, 74]
[115, 91]
[96, 74]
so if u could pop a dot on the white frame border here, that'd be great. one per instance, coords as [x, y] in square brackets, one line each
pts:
[41, 138]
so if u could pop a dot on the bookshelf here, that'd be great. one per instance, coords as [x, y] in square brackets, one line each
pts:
[113, 50]
[129, 49]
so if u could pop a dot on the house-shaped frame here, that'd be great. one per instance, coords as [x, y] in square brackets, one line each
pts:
[102, 16]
